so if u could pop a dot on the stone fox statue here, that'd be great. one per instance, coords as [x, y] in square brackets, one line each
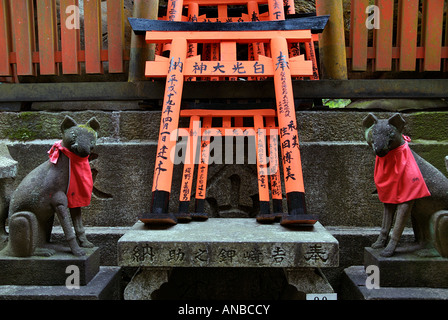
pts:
[408, 186]
[61, 185]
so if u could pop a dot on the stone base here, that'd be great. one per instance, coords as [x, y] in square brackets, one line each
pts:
[353, 287]
[408, 268]
[226, 284]
[221, 242]
[49, 271]
[104, 286]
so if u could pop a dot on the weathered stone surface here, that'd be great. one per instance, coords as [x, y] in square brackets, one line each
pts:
[409, 269]
[398, 104]
[225, 283]
[353, 287]
[235, 242]
[49, 271]
[104, 286]
[126, 125]
[143, 283]
[28, 126]
[81, 105]
[8, 166]
[307, 280]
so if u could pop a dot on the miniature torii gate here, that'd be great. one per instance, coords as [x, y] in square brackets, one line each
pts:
[178, 66]
[276, 11]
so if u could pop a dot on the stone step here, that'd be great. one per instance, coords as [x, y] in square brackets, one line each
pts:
[353, 287]
[49, 271]
[104, 286]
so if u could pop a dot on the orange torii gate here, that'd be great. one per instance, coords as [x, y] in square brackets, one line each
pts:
[277, 10]
[178, 66]
[229, 53]
[197, 134]
[280, 67]
[212, 52]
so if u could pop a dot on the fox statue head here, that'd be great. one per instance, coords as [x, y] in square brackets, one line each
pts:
[79, 138]
[384, 135]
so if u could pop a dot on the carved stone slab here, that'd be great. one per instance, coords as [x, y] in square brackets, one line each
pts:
[232, 242]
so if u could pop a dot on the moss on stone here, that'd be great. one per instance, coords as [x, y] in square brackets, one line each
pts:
[26, 126]
[89, 129]
[20, 134]
[432, 151]
[428, 125]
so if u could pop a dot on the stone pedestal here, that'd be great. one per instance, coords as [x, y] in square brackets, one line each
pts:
[353, 287]
[40, 278]
[227, 243]
[407, 269]
[406, 275]
[105, 285]
[49, 271]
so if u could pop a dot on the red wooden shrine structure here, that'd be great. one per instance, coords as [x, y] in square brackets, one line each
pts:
[269, 125]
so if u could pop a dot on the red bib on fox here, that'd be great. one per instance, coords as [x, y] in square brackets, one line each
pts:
[397, 176]
[80, 184]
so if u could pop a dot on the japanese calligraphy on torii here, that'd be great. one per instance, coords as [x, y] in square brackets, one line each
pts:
[194, 67]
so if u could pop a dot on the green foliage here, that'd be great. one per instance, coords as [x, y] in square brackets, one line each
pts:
[336, 103]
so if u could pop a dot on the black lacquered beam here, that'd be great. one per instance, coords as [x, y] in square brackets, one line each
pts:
[316, 24]
[153, 90]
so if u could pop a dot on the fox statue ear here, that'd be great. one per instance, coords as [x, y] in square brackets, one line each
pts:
[94, 124]
[369, 121]
[68, 123]
[397, 121]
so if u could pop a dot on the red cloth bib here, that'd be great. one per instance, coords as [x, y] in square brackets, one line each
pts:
[80, 186]
[397, 176]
